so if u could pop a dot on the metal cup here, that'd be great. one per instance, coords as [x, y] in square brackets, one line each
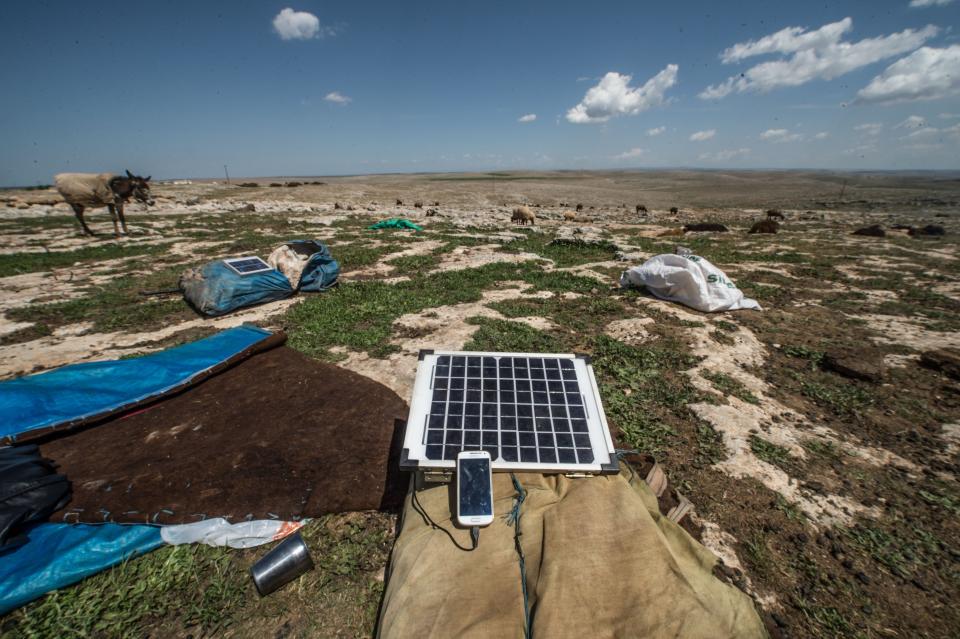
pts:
[287, 561]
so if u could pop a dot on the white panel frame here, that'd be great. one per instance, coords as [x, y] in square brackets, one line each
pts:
[414, 444]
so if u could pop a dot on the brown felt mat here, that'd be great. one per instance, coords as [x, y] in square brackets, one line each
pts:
[279, 434]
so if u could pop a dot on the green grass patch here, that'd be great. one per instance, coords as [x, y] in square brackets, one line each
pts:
[202, 591]
[727, 385]
[503, 335]
[769, 452]
[563, 254]
[19, 263]
[843, 398]
[641, 388]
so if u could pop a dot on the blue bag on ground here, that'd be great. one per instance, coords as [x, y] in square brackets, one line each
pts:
[308, 265]
[216, 289]
[321, 270]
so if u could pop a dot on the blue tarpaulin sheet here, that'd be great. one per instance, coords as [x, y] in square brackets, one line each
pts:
[58, 555]
[83, 391]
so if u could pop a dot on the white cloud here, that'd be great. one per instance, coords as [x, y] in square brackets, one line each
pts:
[656, 131]
[780, 135]
[700, 136]
[929, 3]
[813, 55]
[631, 154]
[726, 154]
[337, 98]
[530, 117]
[299, 25]
[925, 74]
[928, 132]
[614, 96]
[912, 122]
[823, 135]
[949, 116]
[869, 128]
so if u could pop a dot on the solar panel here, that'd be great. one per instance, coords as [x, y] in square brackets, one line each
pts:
[247, 265]
[530, 411]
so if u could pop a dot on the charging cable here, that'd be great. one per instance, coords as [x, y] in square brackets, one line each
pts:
[474, 530]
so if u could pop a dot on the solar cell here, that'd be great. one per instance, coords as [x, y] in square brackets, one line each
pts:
[247, 265]
[529, 411]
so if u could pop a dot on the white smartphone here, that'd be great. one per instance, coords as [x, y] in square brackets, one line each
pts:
[474, 488]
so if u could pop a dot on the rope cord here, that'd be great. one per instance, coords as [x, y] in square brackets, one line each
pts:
[513, 517]
[474, 531]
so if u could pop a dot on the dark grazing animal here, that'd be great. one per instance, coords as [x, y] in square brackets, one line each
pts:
[92, 190]
[399, 202]
[418, 205]
[579, 207]
[765, 226]
[674, 210]
[874, 230]
[774, 213]
[641, 208]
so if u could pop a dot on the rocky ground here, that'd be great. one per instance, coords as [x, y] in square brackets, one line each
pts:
[818, 439]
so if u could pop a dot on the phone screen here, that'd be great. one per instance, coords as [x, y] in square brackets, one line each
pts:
[474, 483]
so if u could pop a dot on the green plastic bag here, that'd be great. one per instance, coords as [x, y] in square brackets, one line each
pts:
[395, 223]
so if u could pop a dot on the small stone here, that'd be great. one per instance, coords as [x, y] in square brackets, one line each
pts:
[862, 578]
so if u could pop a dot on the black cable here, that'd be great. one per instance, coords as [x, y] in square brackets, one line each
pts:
[474, 531]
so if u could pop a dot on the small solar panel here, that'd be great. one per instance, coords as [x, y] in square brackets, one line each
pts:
[247, 265]
[530, 411]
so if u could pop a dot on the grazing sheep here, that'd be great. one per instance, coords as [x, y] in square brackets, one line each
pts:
[522, 215]
[569, 216]
[674, 210]
[641, 208]
[418, 205]
[706, 226]
[399, 202]
[774, 213]
[579, 207]
[437, 203]
[765, 226]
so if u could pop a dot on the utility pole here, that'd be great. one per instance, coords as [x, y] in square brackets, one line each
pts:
[226, 173]
[843, 188]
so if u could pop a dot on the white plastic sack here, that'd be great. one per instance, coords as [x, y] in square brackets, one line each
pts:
[690, 280]
[289, 262]
[219, 532]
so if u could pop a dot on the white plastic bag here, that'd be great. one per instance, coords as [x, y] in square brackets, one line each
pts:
[219, 532]
[690, 280]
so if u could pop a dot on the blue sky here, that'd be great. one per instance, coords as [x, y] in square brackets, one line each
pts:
[179, 89]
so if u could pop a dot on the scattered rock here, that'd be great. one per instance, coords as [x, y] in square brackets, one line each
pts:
[247, 208]
[945, 360]
[864, 365]
[249, 185]
[431, 212]
[774, 213]
[930, 230]
[874, 230]
[765, 226]
[708, 227]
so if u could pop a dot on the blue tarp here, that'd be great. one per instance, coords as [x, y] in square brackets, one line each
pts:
[58, 555]
[219, 289]
[81, 391]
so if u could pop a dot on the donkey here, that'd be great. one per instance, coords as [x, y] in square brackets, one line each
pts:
[91, 190]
